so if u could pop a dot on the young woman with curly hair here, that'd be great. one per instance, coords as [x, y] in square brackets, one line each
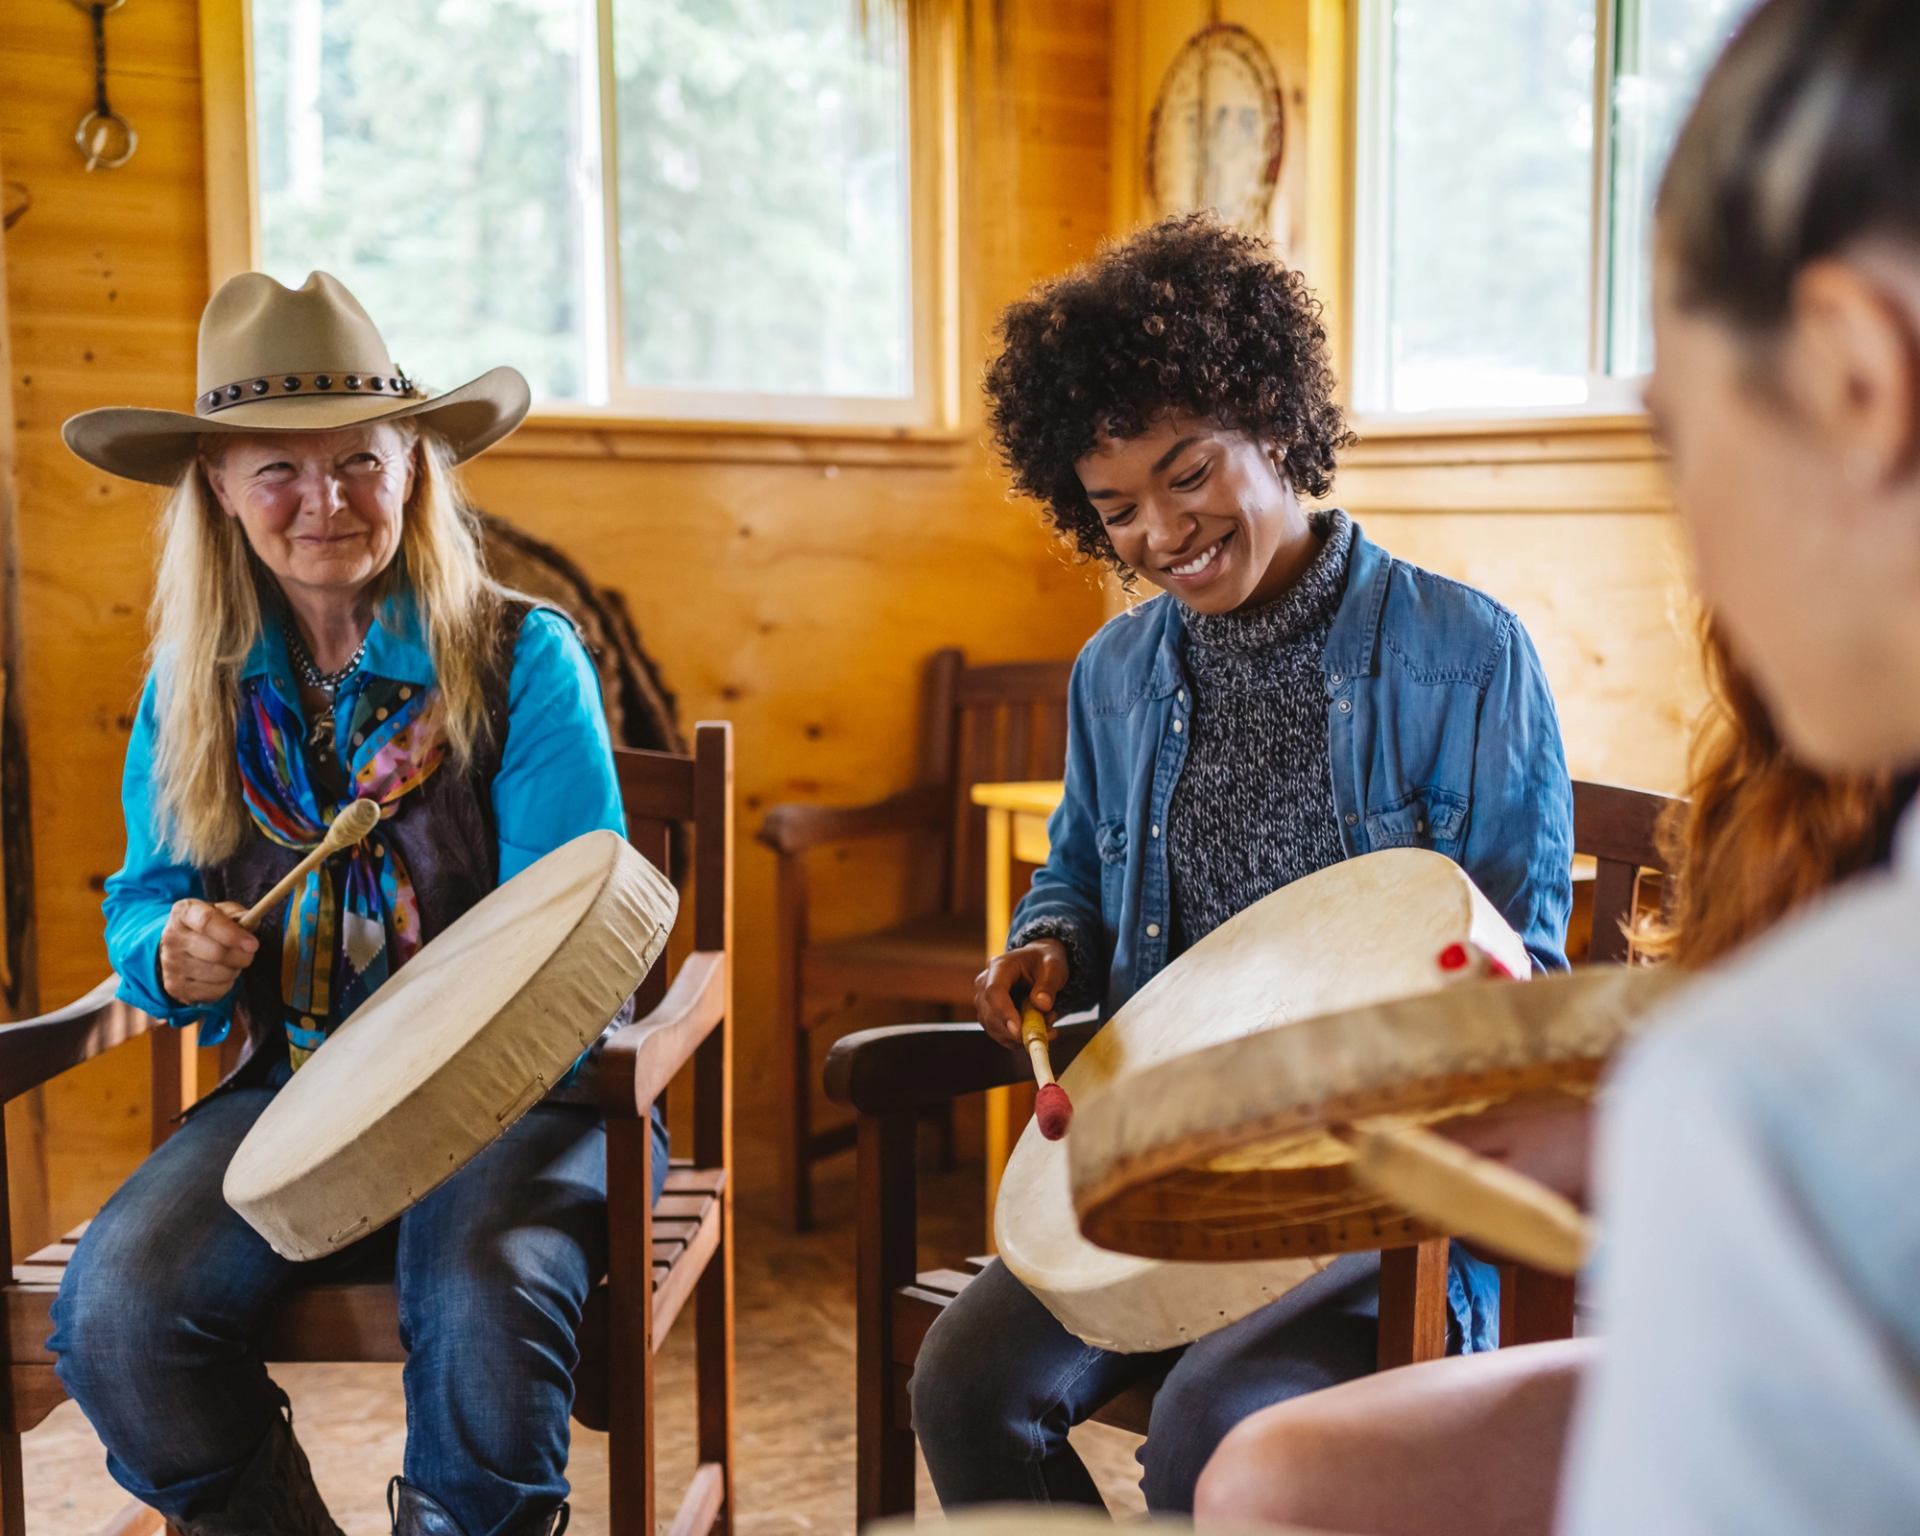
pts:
[1295, 696]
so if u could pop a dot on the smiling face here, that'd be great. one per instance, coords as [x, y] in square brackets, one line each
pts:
[1201, 511]
[322, 510]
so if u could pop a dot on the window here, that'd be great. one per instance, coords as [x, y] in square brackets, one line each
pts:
[704, 208]
[1508, 153]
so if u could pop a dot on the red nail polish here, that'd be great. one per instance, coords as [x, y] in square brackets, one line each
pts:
[1453, 957]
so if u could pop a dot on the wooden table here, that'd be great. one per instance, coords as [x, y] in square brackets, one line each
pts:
[1016, 835]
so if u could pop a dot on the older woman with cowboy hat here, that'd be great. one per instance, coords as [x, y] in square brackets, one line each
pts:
[324, 628]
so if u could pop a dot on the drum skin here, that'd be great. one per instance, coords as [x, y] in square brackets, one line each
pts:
[1361, 931]
[460, 1042]
[1235, 1151]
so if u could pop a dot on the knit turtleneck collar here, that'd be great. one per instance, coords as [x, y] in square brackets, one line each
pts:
[1306, 607]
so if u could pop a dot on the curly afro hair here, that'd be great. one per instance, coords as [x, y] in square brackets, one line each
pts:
[1188, 315]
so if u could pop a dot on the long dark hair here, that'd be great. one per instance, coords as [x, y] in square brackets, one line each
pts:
[1805, 139]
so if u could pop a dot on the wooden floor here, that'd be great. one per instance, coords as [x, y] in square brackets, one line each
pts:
[795, 1397]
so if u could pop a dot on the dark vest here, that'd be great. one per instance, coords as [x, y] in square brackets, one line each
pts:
[444, 830]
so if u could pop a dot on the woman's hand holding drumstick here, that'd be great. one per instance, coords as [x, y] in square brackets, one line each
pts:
[1013, 995]
[206, 945]
[1030, 976]
[203, 950]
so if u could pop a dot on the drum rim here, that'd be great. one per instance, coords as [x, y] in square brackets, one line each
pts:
[287, 1224]
[1124, 1199]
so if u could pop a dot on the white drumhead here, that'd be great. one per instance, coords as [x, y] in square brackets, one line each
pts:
[460, 1042]
[1361, 931]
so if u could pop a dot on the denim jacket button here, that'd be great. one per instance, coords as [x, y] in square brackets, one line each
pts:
[1353, 818]
[1180, 694]
[1178, 727]
[1155, 830]
[1153, 930]
[1346, 708]
[1335, 678]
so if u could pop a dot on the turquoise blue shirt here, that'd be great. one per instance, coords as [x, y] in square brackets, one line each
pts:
[556, 781]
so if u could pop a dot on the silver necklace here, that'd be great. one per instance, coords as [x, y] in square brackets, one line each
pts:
[325, 683]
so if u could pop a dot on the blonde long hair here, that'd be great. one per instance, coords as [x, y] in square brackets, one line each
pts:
[211, 597]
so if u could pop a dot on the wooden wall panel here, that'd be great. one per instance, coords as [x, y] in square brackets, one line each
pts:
[26, 1142]
[1574, 529]
[795, 599]
[106, 276]
[1604, 597]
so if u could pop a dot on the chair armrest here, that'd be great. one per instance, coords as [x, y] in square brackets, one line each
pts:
[790, 829]
[34, 1051]
[907, 1066]
[639, 1059]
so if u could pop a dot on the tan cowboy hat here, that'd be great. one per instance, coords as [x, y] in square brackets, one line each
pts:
[306, 359]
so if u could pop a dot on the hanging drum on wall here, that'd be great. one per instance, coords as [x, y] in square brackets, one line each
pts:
[1218, 130]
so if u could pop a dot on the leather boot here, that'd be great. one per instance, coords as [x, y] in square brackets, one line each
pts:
[273, 1496]
[418, 1513]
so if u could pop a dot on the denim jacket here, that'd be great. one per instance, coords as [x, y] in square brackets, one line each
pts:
[1441, 734]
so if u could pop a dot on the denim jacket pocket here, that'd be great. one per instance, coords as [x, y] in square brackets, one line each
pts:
[1423, 818]
[1110, 839]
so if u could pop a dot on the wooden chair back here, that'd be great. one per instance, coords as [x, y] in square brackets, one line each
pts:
[664, 795]
[1619, 829]
[998, 723]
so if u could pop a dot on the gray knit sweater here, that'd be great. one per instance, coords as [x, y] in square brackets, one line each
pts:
[1253, 808]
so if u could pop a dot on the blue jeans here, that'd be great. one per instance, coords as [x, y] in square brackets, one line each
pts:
[999, 1382]
[157, 1322]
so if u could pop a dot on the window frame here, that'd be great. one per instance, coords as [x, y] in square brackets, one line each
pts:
[920, 428]
[1611, 398]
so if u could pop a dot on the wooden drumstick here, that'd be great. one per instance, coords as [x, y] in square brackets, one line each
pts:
[354, 822]
[1051, 1106]
[1469, 1195]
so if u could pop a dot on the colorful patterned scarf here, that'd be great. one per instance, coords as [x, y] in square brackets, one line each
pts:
[342, 937]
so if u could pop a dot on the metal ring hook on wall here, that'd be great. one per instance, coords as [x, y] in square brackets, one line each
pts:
[106, 139]
[103, 136]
